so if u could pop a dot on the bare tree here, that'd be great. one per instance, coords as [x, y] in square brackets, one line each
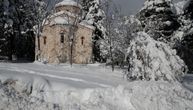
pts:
[73, 31]
[42, 11]
[119, 31]
[109, 24]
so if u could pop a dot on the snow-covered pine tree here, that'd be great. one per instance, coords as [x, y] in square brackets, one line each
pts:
[17, 21]
[2, 47]
[22, 39]
[187, 41]
[6, 29]
[158, 19]
[188, 10]
[94, 15]
[184, 42]
[153, 60]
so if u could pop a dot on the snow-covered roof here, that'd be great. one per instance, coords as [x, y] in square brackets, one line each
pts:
[61, 17]
[59, 20]
[86, 24]
[63, 13]
[62, 20]
[69, 3]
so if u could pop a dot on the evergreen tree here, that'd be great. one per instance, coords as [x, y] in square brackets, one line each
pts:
[94, 15]
[188, 10]
[22, 40]
[184, 45]
[2, 27]
[158, 19]
[17, 21]
[6, 29]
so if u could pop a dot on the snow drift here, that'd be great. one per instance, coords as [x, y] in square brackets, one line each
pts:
[25, 86]
[139, 95]
[153, 60]
[12, 98]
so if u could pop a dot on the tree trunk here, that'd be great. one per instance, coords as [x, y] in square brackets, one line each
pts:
[71, 52]
[112, 60]
[38, 45]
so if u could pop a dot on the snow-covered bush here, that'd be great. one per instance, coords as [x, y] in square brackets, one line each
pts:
[153, 60]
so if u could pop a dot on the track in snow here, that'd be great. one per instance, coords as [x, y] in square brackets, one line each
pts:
[78, 76]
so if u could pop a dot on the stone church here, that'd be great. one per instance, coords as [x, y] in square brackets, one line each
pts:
[65, 38]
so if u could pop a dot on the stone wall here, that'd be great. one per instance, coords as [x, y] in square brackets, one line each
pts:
[53, 51]
[83, 45]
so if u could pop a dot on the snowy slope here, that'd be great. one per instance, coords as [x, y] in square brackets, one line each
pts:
[90, 87]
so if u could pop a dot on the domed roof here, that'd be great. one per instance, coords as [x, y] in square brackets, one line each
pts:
[68, 3]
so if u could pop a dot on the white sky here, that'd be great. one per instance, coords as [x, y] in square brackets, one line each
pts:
[131, 6]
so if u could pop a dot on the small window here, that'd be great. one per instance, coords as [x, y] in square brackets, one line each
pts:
[62, 38]
[44, 40]
[82, 40]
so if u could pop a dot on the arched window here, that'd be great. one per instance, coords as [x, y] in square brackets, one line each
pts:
[44, 40]
[62, 38]
[82, 40]
[62, 32]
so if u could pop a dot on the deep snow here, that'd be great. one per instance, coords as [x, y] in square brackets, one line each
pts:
[86, 87]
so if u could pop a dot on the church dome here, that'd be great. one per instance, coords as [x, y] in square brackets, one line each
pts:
[68, 3]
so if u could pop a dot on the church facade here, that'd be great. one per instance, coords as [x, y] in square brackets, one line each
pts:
[65, 38]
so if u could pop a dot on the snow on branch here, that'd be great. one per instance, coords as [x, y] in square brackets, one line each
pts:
[153, 60]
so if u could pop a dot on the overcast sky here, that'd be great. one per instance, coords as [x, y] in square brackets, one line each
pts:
[131, 6]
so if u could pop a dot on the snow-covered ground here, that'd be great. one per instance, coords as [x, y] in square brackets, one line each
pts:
[86, 87]
[77, 76]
